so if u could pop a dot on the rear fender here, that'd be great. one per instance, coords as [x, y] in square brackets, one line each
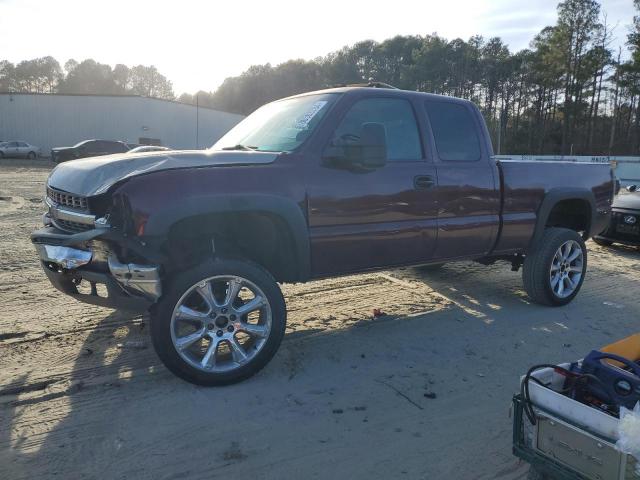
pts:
[551, 199]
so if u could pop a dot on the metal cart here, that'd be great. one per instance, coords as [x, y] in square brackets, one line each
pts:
[558, 448]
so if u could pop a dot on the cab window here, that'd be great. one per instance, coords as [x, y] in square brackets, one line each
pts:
[454, 131]
[399, 122]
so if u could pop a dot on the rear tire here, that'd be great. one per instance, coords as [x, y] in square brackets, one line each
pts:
[201, 300]
[554, 272]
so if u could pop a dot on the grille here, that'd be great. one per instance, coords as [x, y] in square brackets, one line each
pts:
[67, 199]
[71, 226]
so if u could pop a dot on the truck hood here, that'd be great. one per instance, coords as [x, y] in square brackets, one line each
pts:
[630, 201]
[93, 176]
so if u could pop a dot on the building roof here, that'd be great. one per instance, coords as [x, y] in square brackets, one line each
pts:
[116, 95]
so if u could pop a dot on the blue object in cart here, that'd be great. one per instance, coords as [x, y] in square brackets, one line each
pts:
[619, 382]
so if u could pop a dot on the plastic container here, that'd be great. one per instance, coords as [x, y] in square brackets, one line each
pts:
[549, 399]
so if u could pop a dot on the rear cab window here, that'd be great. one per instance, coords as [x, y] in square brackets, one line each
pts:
[454, 131]
[118, 147]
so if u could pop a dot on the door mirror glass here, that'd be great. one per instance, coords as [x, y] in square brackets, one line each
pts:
[632, 188]
[367, 150]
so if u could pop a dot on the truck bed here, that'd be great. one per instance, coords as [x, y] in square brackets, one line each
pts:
[526, 183]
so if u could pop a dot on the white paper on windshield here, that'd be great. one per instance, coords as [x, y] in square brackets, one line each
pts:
[303, 121]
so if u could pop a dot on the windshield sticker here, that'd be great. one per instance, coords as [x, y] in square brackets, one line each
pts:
[303, 122]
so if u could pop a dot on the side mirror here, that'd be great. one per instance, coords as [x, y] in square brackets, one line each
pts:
[364, 152]
[632, 188]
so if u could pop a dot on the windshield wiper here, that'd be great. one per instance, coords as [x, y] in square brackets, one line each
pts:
[240, 147]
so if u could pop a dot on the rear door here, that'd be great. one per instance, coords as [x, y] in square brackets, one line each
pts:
[104, 148]
[109, 147]
[23, 149]
[468, 182]
[89, 149]
[386, 216]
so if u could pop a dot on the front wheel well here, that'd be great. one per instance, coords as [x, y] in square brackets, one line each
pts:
[261, 237]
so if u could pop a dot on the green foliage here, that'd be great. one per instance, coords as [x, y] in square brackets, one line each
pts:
[566, 94]
[44, 75]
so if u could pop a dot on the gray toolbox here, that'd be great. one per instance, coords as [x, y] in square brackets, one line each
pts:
[570, 440]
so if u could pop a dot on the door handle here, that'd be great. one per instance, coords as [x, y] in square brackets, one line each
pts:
[423, 182]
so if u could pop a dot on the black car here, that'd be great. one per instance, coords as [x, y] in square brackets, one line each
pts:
[625, 220]
[88, 148]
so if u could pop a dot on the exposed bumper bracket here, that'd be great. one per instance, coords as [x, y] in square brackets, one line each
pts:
[145, 279]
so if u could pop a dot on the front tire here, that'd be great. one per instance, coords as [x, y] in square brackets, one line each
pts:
[553, 273]
[219, 322]
[31, 155]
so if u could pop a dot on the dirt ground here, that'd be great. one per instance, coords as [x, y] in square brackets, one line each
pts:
[82, 394]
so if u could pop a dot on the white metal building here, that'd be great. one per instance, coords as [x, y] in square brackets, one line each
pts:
[52, 120]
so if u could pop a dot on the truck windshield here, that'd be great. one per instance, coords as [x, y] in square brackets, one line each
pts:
[280, 126]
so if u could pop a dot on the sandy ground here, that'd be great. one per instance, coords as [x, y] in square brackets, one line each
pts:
[82, 394]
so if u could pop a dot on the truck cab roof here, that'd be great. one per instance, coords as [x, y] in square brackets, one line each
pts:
[366, 90]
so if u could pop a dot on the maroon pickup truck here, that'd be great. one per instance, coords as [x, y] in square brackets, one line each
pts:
[326, 183]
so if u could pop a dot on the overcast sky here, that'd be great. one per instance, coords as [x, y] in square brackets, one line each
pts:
[196, 44]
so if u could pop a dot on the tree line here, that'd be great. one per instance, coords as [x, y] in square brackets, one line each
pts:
[570, 92]
[45, 75]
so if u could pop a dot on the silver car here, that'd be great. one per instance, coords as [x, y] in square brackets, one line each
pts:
[18, 150]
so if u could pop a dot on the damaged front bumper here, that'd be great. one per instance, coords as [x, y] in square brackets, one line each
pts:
[67, 260]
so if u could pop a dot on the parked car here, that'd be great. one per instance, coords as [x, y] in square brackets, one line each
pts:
[625, 220]
[18, 149]
[88, 148]
[149, 148]
[321, 184]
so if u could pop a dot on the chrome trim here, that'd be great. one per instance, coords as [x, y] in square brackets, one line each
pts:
[102, 222]
[58, 213]
[67, 199]
[145, 279]
[67, 257]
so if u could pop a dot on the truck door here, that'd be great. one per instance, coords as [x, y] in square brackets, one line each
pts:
[363, 219]
[468, 182]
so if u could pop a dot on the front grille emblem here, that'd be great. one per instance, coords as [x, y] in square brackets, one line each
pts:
[629, 219]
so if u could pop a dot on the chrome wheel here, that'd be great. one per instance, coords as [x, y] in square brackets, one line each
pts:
[221, 323]
[566, 269]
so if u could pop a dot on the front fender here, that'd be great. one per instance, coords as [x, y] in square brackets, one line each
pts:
[159, 224]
